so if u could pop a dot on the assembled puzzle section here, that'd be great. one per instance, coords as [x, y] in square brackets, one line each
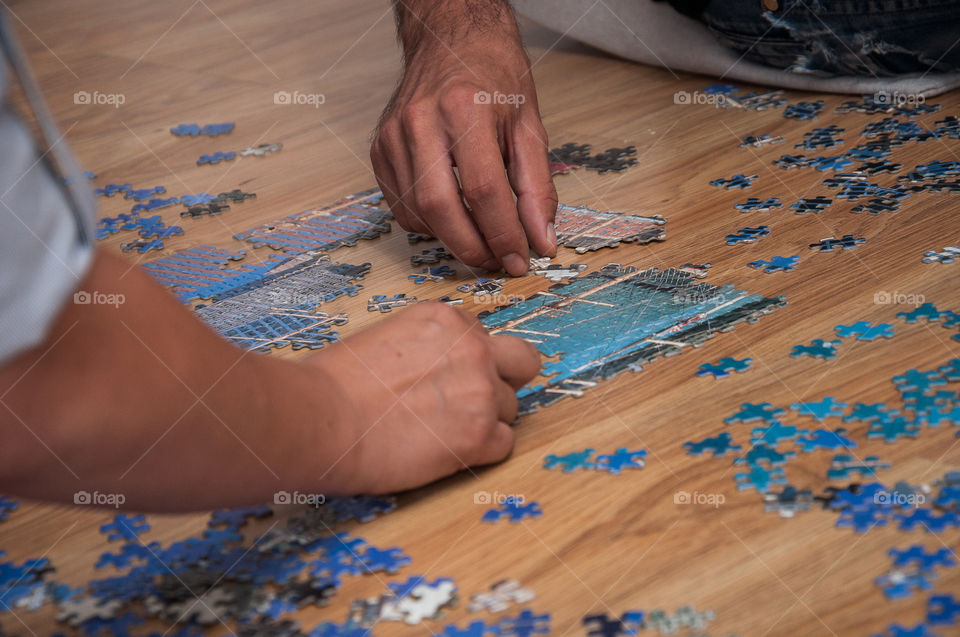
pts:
[280, 307]
[605, 322]
[584, 229]
[343, 223]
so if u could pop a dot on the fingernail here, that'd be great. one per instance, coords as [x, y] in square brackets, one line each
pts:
[492, 265]
[552, 237]
[515, 265]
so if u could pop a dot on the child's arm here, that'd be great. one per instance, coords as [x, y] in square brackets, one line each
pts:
[146, 401]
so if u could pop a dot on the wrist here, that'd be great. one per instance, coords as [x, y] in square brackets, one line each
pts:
[455, 24]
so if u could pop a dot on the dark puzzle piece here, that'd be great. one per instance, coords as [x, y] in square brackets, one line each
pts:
[846, 242]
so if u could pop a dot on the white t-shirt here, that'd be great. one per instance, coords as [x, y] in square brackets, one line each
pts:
[46, 215]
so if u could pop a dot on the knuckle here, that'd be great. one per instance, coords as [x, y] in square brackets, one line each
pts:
[415, 115]
[480, 191]
[428, 201]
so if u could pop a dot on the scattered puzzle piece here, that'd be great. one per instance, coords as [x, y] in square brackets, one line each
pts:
[723, 367]
[776, 264]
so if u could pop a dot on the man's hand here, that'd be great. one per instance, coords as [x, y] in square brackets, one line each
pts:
[467, 101]
[426, 393]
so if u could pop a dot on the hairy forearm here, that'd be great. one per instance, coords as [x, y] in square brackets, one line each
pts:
[145, 401]
[449, 22]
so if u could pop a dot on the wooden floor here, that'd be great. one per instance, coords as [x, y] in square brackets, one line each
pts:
[605, 543]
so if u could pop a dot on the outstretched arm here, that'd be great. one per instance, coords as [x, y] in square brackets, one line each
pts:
[142, 399]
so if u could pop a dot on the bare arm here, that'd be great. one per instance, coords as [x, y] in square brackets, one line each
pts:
[144, 400]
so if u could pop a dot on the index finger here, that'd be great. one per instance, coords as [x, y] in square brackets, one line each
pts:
[517, 360]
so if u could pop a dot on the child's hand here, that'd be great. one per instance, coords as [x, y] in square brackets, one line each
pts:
[424, 394]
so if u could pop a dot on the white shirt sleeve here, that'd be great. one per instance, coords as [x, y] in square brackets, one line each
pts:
[46, 229]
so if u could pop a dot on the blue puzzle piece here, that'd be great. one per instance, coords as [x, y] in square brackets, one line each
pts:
[570, 462]
[7, 505]
[523, 625]
[943, 610]
[723, 367]
[111, 189]
[514, 510]
[892, 429]
[129, 553]
[913, 379]
[865, 330]
[918, 556]
[896, 630]
[951, 371]
[474, 629]
[747, 235]
[756, 205]
[194, 130]
[390, 560]
[719, 445]
[238, 517]
[763, 453]
[819, 348]
[143, 193]
[900, 585]
[803, 110]
[824, 439]
[216, 158]
[863, 412]
[820, 410]
[776, 432]
[737, 181]
[361, 508]
[760, 479]
[155, 204]
[928, 520]
[621, 459]
[862, 520]
[926, 311]
[200, 199]
[125, 527]
[751, 412]
[776, 264]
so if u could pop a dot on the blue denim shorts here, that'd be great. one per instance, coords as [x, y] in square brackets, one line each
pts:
[876, 38]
